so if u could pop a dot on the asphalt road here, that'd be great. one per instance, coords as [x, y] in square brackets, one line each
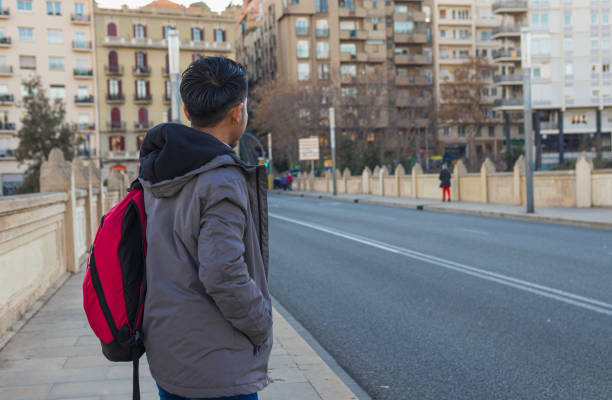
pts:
[422, 305]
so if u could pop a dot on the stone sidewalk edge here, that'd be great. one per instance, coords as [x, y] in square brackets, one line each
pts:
[482, 213]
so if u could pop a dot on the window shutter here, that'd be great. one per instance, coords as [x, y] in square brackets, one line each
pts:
[136, 87]
[108, 86]
[164, 32]
[201, 34]
[148, 91]
[120, 91]
[224, 39]
[192, 31]
[122, 143]
[167, 63]
[110, 143]
[145, 30]
[134, 30]
[135, 58]
[145, 60]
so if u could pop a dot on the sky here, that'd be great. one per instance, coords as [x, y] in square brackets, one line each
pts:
[215, 5]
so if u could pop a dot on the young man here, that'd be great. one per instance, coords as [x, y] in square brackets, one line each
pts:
[445, 182]
[207, 316]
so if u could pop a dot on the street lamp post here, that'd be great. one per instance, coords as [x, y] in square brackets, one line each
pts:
[529, 156]
[174, 67]
[332, 133]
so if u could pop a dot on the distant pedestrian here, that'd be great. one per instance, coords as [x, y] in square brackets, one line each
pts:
[289, 181]
[284, 182]
[445, 182]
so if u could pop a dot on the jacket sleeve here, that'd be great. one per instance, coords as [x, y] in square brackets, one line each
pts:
[222, 270]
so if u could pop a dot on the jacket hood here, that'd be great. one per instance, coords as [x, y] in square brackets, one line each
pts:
[171, 154]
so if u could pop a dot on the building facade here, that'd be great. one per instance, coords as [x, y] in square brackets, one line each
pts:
[132, 63]
[571, 83]
[52, 40]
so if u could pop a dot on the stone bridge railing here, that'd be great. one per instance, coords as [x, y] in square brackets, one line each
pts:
[582, 187]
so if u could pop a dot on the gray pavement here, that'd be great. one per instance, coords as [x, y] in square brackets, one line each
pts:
[598, 218]
[56, 356]
[428, 305]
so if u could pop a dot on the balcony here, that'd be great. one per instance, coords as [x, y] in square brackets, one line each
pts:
[141, 70]
[82, 73]
[7, 99]
[378, 12]
[7, 127]
[5, 13]
[377, 57]
[84, 100]
[515, 103]
[143, 126]
[412, 81]
[5, 41]
[322, 32]
[80, 19]
[549, 126]
[509, 6]
[412, 59]
[6, 70]
[205, 46]
[508, 79]
[123, 155]
[506, 55]
[377, 35]
[358, 57]
[115, 98]
[7, 153]
[506, 31]
[167, 99]
[113, 69]
[409, 101]
[165, 71]
[416, 16]
[410, 38]
[146, 99]
[358, 12]
[86, 127]
[360, 34]
[78, 45]
[116, 126]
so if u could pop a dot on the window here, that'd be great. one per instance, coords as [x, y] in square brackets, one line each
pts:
[82, 92]
[140, 31]
[350, 4]
[403, 26]
[442, 14]
[79, 9]
[605, 67]
[111, 29]
[494, 91]
[463, 14]
[461, 131]
[569, 69]
[485, 35]
[84, 119]
[375, 45]
[401, 9]
[464, 33]
[26, 34]
[540, 45]
[446, 131]
[322, 50]
[483, 14]
[323, 71]
[485, 91]
[605, 44]
[568, 18]
[141, 59]
[348, 48]
[302, 48]
[347, 25]
[56, 63]
[113, 87]
[24, 5]
[539, 21]
[116, 143]
[350, 70]
[605, 17]
[349, 92]
[27, 62]
[594, 18]
[54, 8]
[301, 26]
[165, 30]
[141, 89]
[568, 45]
[491, 131]
[25, 92]
[442, 33]
[322, 27]
[219, 35]
[55, 36]
[321, 6]
[80, 40]
[57, 92]
[196, 34]
[303, 71]
[594, 44]
[139, 140]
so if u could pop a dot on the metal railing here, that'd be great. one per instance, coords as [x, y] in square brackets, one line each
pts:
[7, 98]
[81, 18]
[6, 69]
[7, 126]
[143, 125]
[509, 5]
[506, 53]
[83, 72]
[517, 101]
[146, 97]
[116, 125]
[507, 78]
[5, 40]
[84, 99]
[114, 69]
[506, 29]
[141, 70]
[115, 97]
[81, 45]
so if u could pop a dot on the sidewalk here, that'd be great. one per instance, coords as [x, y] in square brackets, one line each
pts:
[56, 356]
[599, 218]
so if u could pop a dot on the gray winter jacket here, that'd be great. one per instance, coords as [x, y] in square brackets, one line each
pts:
[207, 302]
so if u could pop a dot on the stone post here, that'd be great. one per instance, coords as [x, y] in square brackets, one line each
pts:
[416, 171]
[519, 172]
[584, 168]
[400, 172]
[57, 175]
[90, 213]
[365, 180]
[346, 174]
[311, 181]
[487, 168]
[381, 180]
[458, 171]
[101, 191]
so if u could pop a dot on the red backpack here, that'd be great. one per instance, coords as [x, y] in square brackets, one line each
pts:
[114, 287]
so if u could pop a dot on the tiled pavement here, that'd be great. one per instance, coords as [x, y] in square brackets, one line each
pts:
[56, 356]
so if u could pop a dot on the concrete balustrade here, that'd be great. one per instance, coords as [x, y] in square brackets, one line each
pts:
[582, 187]
[45, 236]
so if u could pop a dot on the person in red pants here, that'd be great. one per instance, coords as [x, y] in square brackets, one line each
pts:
[445, 182]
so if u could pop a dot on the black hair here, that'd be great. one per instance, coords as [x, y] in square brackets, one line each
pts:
[210, 87]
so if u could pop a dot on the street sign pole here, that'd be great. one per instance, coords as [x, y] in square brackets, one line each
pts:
[332, 133]
[173, 64]
[529, 156]
[269, 160]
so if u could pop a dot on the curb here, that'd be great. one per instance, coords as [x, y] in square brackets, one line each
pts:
[481, 213]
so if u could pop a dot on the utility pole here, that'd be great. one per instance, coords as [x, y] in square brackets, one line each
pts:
[529, 156]
[332, 133]
[270, 160]
[173, 64]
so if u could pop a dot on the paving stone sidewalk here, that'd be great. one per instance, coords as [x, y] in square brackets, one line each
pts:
[600, 218]
[56, 356]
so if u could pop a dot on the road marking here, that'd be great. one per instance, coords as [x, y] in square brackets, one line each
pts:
[560, 295]
[472, 231]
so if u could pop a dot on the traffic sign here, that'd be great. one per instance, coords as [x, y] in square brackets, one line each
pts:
[309, 148]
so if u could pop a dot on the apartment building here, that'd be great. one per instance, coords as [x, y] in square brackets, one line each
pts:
[464, 29]
[51, 39]
[571, 89]
[132, 60]
[335, 42]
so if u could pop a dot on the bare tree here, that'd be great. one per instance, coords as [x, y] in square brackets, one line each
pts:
[463, 103]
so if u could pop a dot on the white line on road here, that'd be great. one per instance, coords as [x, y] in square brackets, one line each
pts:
[472, 231]
[560, 295]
